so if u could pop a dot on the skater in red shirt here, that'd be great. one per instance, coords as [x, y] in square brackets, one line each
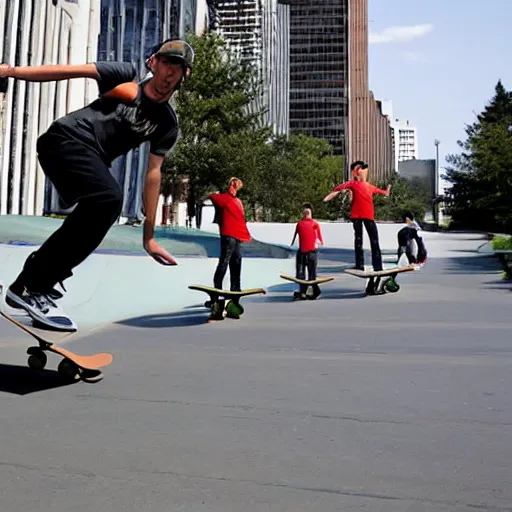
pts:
[362, 212]
[310, 237]
[230, 216]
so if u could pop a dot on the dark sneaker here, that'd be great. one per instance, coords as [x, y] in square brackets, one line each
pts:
[316, 293]
[41, 307]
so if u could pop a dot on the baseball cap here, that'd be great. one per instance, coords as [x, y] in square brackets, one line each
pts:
[179, 49]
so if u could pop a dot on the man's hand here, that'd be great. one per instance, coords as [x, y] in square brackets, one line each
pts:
[158, 253]
[388, 190]
[6, 70]
[330, 196]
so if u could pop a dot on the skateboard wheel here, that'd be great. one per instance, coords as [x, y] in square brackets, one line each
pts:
[91, 376]
[234, 310]
[37, 361]
[391, 286]
[68, 370]
[217, 311]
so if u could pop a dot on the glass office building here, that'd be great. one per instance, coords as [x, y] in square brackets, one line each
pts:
[319, 70]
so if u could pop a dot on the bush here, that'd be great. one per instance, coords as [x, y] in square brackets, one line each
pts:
[502, 243]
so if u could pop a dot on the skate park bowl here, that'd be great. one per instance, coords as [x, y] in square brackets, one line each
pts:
[120, 281]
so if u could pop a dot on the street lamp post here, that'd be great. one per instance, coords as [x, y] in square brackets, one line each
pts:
[436, 184]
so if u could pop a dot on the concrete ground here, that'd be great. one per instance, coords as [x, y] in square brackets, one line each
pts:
[394, 403]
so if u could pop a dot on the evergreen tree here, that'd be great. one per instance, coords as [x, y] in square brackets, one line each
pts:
[481, 175]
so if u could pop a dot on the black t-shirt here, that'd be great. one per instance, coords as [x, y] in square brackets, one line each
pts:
[113, 128]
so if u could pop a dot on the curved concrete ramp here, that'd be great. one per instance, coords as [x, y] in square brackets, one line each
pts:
[120, 281]
[111, 288]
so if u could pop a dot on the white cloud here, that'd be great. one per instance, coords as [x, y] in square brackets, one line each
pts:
[400, 34]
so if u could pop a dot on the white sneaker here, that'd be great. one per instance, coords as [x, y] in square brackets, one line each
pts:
[42, 308]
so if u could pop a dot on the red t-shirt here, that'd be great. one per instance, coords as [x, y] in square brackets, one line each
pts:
[362, 198]
[233, 216]
[309, 232]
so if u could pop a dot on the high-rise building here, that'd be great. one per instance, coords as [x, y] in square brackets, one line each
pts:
[406, 137]
[35, 33]
[329, 91]
[319, 92]
[257, 31]
[129, 28]
[74, 32]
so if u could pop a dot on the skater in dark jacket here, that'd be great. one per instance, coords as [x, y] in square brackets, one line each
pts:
[76, 153]
[407, 237]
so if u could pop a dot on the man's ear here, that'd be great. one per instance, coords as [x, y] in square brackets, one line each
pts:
[151, 63]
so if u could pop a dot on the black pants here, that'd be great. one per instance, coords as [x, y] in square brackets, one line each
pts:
[199, 215]
[82, 178]
[303, 261]
[373, 234]
[230, 256]
[405, 237]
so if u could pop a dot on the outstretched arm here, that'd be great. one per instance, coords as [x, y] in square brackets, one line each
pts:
[49, 72]
[330, 196]
[337, 190]
[294, 236]
[151, 195]
[382, 192]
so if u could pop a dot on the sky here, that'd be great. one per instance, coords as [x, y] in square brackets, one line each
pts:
[438, 61]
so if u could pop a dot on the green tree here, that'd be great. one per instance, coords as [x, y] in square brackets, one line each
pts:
[216, 110]
[300, 170]
[222, 135]
[405, 197]
[481, 175]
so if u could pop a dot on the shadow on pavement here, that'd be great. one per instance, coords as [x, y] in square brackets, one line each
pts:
[284, 297]
[471, 265]
[21, 380]
[184, 318]
[332, 269]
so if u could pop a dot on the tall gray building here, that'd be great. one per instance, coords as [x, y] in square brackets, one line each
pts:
[329, 90]
[319, 93]
[129, 28]
[258, 31]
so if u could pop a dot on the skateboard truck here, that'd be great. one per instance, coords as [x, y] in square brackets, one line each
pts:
[217, 302]
[297, 295]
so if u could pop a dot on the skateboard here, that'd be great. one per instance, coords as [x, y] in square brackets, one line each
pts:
[73, 367]
[217, 303]
[378, 286]
[296, 294]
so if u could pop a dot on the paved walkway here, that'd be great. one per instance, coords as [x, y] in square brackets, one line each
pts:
[396, 403]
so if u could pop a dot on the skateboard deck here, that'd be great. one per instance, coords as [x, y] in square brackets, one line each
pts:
[318, 281]
[377, 286]
[217, 303]
[73, 366]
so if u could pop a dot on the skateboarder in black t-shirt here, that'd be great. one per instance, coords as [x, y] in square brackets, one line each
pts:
[76, 153]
